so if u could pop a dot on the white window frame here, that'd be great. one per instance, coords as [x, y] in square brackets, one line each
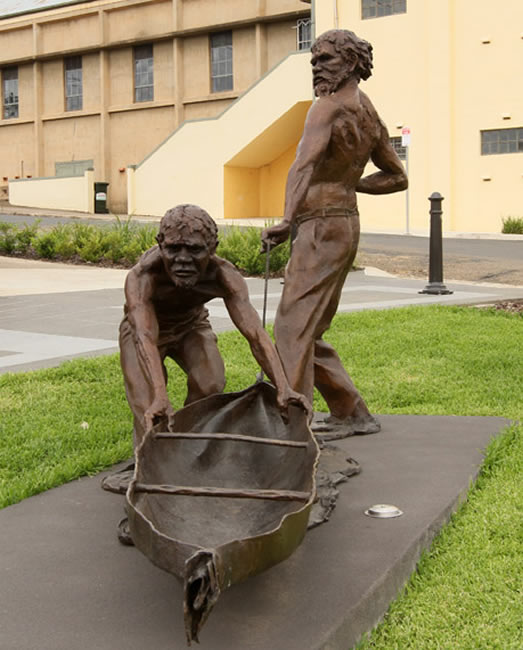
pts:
[303, 34]
[221, 55]
[10, 99]
[143, 56]
[73, 83]
[381, 8]
[500, 141]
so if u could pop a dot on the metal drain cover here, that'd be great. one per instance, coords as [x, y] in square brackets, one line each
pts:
[383, 511]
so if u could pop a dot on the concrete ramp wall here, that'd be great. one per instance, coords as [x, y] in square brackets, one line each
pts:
[60, 192]
[189, 167]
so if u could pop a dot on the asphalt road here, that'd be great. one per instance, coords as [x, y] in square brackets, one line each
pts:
[476, 260]
[492, 249]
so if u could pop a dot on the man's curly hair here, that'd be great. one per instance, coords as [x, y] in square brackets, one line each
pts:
[194, 219]
[345, 42]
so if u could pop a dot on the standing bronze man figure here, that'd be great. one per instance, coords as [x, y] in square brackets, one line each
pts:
[342, 133]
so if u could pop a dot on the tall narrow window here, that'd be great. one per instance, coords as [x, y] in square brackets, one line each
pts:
[221, 62]
[143, 73]
[379, 8]
[303, 34]
[73, 83]
[10, 92]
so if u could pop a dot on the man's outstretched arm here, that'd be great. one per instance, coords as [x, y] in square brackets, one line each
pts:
[144, 326]
[246, 319]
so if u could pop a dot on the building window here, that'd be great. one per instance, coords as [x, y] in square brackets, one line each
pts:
[73, 83]
[501, 141]
[73, 167]
[303, 34]
[399, 148]
[10, 92]
[378, 8]
[221, 62]
[143, 73]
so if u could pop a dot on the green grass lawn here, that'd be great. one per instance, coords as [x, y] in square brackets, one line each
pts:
[467, 591]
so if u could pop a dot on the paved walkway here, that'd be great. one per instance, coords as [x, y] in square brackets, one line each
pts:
[50, 312]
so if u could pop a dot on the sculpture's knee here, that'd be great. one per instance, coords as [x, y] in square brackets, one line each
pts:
[214, 385]
[198, 387]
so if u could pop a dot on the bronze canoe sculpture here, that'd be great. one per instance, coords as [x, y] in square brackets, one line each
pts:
[226, 496]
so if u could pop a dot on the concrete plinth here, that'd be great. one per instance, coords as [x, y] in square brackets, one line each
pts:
[68, 585]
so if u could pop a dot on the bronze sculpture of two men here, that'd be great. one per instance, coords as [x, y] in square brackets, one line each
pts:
[167, 289]
[165, 315]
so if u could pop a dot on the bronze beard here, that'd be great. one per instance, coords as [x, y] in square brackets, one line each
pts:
[328, 83]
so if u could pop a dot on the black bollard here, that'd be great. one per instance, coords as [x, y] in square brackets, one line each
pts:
[435, 285]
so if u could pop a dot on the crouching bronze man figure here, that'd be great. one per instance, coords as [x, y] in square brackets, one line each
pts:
[165, 315]
[342, 133]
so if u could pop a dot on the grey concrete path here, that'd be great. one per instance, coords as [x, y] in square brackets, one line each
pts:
[68, 585]
[51, 312]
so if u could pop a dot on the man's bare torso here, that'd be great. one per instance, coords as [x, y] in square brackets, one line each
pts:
[356, 128]
[173, 304]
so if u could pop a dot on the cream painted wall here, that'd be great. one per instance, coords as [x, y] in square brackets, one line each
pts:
[129, 141]
[281, 39]
[17, 140]
[139, 22]
[273, 179]
[486, 90]
[206, 109]
[244, 57]
[241, 192]
[251, 192]
[69, 193]
[216, 13]
[275, 6]
[17, 42]
[196, 77]
[163, 71]
[121, 84]
[433, 73]
[25, 92]
[52, 87]
[91, 82]
[72, 139]
[70, 34]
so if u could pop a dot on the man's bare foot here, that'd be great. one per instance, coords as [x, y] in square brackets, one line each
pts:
[118, 482]
[333, 428]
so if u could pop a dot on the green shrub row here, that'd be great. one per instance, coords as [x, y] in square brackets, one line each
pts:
[122, 242]
[241, 246]
[512, 226]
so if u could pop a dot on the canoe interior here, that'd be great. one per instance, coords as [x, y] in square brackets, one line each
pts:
[209, 522]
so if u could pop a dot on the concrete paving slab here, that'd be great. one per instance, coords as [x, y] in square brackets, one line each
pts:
[28, 347]
[67, 583]
[30, 277]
